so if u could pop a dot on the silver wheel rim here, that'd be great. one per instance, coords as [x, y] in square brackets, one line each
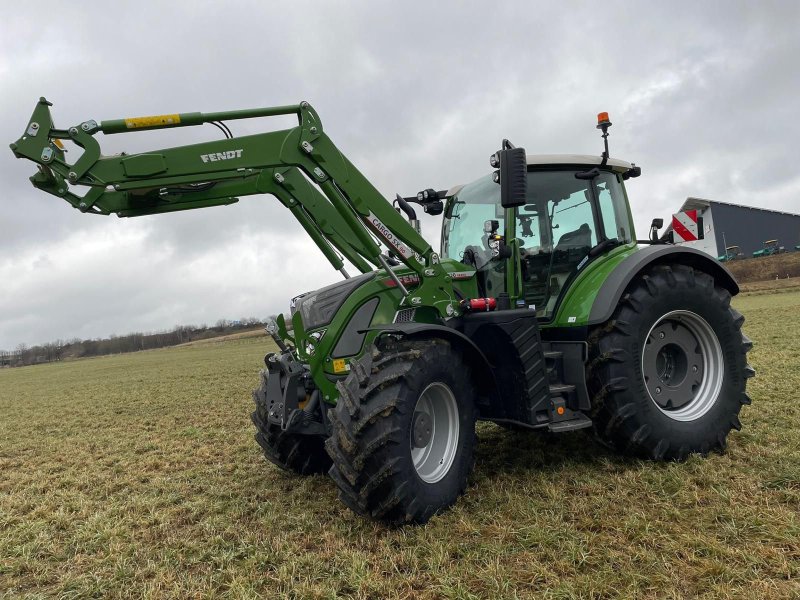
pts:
[682, 365]
[434, 432]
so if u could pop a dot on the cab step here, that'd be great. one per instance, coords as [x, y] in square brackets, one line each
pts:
[578, 421]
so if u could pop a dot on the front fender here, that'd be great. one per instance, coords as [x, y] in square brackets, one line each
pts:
[472, 353]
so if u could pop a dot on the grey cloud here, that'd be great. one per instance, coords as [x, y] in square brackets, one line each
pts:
[416, 94]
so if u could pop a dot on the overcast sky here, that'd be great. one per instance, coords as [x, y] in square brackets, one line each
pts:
[703, 95]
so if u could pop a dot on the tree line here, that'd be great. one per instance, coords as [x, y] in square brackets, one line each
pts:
[58, 350]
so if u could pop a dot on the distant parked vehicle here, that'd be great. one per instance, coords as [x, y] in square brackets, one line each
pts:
[770, 247]
[731, 253]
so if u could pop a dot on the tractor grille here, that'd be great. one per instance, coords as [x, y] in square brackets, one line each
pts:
[405, 316]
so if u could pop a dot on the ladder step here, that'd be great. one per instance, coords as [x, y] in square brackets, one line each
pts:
[553, 354]
[580, 421]
[558, 389]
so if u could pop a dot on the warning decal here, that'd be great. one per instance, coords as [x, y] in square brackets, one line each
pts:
[684, 226]
[155, 121]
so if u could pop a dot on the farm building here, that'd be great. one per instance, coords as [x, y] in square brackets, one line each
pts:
[747, 227]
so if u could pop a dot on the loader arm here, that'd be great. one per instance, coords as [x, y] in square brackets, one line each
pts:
[349, 217]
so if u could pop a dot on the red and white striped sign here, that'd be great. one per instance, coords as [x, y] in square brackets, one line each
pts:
[684, 226]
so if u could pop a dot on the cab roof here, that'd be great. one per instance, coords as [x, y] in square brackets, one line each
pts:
[620, 166]
[617, 165]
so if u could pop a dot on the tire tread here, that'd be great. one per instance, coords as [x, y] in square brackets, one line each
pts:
[616, 414]
[366, 444]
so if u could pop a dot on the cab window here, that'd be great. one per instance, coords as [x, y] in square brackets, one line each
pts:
[614, 207]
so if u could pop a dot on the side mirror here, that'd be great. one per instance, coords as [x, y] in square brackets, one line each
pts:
[654, 227]
[434, 208]
[512, 176]
[634, 171]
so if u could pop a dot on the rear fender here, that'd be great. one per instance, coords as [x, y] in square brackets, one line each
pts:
[619, 279]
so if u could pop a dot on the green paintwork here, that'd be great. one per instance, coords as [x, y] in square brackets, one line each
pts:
[578, 299]
[341, 211]
[382, 287]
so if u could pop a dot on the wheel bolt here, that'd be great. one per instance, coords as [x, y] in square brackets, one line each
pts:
[661, 335]
[658, 390]
[694, 369]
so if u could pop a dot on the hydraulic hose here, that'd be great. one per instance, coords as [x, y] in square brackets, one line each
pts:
[406, 208]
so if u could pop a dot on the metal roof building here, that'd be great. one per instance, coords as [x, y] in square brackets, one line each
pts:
[726, 225]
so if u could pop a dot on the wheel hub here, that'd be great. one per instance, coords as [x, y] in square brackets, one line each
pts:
[682, 365]
[673, 364]
[421, 430]
[434, 432]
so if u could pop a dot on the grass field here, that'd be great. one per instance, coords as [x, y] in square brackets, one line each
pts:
[137, 476]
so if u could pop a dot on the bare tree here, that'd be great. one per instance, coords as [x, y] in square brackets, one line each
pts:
[21, 353]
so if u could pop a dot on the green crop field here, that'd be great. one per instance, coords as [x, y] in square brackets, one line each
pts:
[137, 476]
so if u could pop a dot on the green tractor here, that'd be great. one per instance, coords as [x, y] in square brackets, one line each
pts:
[770, 247]
[541, 310]
[731, 253]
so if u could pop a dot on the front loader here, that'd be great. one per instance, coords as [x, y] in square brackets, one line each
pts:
[541, 310]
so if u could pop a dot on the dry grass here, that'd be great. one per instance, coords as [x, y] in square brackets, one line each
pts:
[767, 268]
[137, 476]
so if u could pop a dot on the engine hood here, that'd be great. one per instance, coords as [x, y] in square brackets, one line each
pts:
[317, 308]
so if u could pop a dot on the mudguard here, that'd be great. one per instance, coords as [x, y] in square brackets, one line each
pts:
[617, 282]
[413, 329]
[505, 353]
[474, 355]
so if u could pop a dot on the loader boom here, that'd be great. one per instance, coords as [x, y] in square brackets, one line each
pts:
[349, 217]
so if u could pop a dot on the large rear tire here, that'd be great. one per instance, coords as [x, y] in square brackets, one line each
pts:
[667, 373]
[403, 431]
[301, 454]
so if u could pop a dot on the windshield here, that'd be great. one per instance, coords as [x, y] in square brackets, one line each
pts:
[475, 204]
[557, 227]
[463, 233]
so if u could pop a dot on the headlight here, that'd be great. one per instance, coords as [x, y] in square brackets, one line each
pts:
[313, 339]
[293, 303]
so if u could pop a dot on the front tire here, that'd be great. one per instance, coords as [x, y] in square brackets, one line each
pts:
[403, 431]
[301, 454]
[668, 372]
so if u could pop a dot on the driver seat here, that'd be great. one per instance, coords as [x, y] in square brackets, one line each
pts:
[580, 238]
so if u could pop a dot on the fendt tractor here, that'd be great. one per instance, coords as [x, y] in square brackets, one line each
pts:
[541, 311]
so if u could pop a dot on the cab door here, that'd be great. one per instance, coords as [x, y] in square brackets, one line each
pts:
[565, 217]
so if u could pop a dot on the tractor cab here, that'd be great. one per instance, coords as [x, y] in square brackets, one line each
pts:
[575, 209]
